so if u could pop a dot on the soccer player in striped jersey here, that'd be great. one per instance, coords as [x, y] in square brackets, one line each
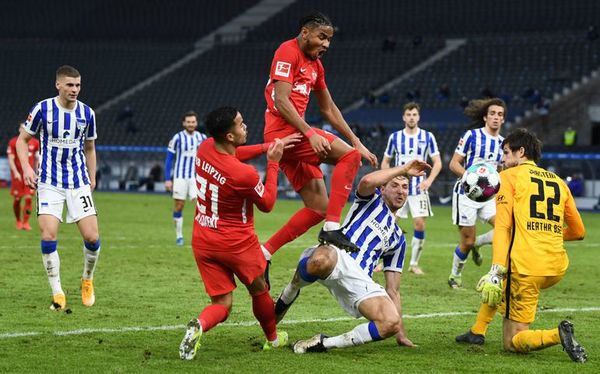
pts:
[480, 144]
[414, 143]
[536, 213]
[18, 189]
[371, 224]
[181, 179]
[66, 174]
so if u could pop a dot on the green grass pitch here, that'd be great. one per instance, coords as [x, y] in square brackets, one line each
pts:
[147, 289]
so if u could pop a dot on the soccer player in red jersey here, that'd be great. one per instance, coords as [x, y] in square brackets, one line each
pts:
[296, 71]
[224, 241]
[18, 189]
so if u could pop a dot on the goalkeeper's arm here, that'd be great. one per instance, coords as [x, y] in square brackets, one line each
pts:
[490, 285]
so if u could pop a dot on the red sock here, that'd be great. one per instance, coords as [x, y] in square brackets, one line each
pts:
[212, 315]
[264, 311]
[300, 223]
[27, 210]
[17, 208]
[341, 184]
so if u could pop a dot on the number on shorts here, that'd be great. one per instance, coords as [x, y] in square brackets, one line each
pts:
[86, 201]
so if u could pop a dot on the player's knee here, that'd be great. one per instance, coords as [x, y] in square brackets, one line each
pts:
[468, 243]
[352, 157]
[389, 326]
[323, 260]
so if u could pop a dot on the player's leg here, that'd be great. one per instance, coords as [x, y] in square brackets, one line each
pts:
[384, 322]
[27, 207]
[487, 213]
[88, 227]
[476, 334]
[178, 220]
[315, 263]
[262, 307]
[347, 162]
[461, 253]
[314, 196]
[49, 230]
[17, 212]
[417, 244]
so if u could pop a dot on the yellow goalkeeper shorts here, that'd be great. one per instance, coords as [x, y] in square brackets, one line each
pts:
[520, 303]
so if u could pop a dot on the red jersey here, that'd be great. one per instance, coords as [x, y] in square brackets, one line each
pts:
[227, 190]
[291, 65]
[34, 147]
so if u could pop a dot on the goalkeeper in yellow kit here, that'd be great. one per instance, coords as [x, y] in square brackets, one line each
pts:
[535, 213]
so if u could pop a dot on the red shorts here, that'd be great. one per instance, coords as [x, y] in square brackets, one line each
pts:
[217, 268]
[19, 189]
[300, 163]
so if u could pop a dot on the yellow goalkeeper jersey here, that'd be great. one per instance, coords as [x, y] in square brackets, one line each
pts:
[535, 213]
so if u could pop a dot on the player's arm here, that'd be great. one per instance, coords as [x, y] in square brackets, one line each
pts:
[89, 148]
[575, 229]
[29, 176]
[264, 196]
[435, 171]
[13, 165]
[171, 151]
[389, 152]
[333, 115]
[248, 152]
[504, 219]
[456, 165]
[386, 162]
[377, 178]
[392, 287]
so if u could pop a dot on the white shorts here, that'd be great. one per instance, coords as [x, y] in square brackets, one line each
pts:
[348, 283]
[419, 206]
[184, 189]
[466, 211]
[51, 200]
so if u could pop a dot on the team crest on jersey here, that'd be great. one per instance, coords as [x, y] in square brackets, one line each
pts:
[283, 69]
[260, 189]
[81, 123]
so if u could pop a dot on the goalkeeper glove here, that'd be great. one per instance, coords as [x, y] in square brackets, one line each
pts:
[490, 286]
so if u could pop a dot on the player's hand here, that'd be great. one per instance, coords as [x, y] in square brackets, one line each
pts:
[402, 340]
[424, 186]
[275, 150]
[169, 185]
[92, 185]
[416, 168]
[291, 140]
[17, 176]
[366, 154]
[490, 286]
[29, 177]
[320, 145]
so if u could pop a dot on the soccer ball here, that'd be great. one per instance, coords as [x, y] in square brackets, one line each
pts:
[481, 182]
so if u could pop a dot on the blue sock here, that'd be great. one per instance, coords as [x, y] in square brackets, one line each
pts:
[304, 272]
[374, 332]
[462, 256]
[48, 246]
[178, 214]
[92, 246]
[419, 234]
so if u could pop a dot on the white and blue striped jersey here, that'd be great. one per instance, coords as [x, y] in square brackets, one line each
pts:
[479, 146]
[372, 227]
[184, 145]
[405, 148]
[62, 135]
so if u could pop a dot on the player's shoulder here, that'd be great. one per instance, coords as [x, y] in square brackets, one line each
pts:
[243, 174]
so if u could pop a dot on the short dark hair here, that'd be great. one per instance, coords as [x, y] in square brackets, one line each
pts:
[410, 106]
[220, 121]
[315, 19]
[67, 71]
[189, 113]
[477, 109]
[529, 141]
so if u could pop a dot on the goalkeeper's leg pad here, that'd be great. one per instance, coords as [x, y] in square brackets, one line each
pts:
[471, 338]
[567, 338]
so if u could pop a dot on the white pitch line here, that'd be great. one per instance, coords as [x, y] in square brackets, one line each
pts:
[252, 323]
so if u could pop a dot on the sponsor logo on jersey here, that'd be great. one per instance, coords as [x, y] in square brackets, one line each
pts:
[283, 69]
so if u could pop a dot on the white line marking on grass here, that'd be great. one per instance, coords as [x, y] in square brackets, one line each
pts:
[252, 323]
